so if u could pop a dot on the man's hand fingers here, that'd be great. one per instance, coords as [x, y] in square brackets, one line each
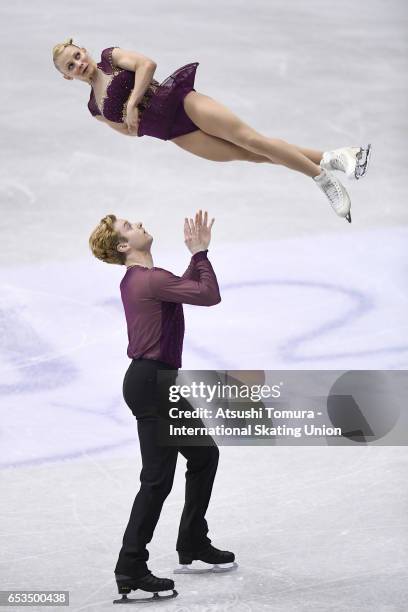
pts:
[212, 223]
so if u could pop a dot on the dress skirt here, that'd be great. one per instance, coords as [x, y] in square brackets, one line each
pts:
[162, 113]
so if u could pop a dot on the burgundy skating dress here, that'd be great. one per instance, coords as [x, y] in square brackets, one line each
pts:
[161, 110]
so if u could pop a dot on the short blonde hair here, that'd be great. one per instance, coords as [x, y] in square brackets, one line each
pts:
[104, 240]
[58, 49]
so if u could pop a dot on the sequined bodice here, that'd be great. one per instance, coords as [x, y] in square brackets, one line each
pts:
[117, 89]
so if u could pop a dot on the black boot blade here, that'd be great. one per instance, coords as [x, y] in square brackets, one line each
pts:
[155, 598]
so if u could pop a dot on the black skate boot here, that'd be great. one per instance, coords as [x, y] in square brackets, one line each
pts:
[148, 583]
[212, 560]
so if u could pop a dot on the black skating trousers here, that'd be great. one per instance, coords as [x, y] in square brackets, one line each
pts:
[147, 397]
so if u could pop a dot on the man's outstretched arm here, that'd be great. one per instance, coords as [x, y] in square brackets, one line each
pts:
[204, 291]
[198, 285]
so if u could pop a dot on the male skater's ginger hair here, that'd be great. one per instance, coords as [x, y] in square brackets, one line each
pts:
[104, 241]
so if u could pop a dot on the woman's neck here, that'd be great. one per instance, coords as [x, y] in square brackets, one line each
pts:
[94, 76]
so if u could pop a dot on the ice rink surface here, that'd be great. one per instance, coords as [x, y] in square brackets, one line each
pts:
[321, 528]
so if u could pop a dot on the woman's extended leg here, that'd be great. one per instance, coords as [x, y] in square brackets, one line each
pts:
[216, 149]
[312, 154]
[216, 120]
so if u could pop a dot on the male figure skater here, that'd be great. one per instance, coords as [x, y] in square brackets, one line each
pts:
[152, 299]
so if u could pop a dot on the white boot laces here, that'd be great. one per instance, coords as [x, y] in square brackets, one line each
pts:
[338, 162]
[334, 194]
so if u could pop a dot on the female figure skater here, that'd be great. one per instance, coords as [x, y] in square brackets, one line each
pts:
[125, 96]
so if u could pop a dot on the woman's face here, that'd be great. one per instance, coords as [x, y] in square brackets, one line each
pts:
[75, 63]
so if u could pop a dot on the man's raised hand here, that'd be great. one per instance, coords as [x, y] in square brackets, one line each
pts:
[197, 233]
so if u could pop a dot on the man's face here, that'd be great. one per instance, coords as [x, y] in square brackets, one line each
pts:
[75, 63]
[135, 236]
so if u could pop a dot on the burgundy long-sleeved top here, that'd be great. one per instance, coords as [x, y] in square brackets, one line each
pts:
[153, 298]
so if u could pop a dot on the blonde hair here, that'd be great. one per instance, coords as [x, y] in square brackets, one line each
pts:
[104, 240]
[57, 49]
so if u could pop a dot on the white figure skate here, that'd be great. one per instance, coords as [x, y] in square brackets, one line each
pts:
[335, 192]
[351, 160]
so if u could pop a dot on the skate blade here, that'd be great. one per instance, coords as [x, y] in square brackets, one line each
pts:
[205, 568]
[154, 598]
[188, 569]
[225, 567]
[363, 158]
